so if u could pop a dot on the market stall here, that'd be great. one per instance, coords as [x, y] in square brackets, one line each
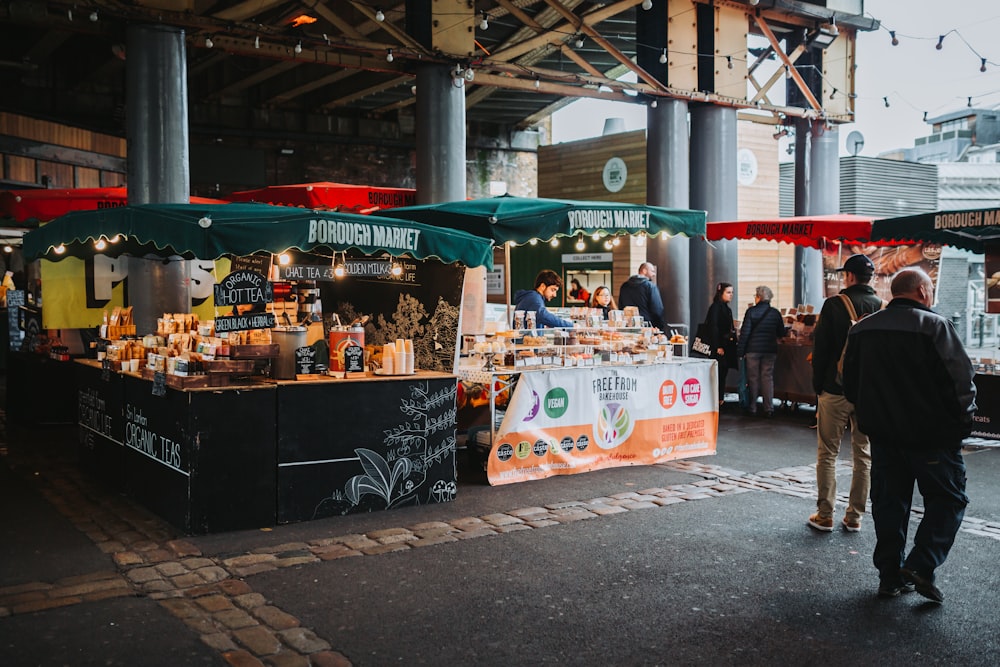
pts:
[312, 445]
[978, 231]
[580, 402]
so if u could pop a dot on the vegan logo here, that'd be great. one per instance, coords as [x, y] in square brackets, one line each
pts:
[556, 402]
[614, 425]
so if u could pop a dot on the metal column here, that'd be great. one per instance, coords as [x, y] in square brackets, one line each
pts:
[441, 172]
[817, 192]
[713, 189]
[668, 184]
[158, 155]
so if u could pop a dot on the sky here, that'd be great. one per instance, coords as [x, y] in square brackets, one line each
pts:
[914, 76]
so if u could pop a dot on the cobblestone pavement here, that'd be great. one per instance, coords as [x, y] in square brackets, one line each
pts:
[213, 595]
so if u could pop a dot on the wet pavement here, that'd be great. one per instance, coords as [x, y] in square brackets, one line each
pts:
[705, 561]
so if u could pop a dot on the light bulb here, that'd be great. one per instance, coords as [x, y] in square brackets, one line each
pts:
[729, 62]
[580, 245]
[554, 242]
[59, 249]
[100, 244]
[982, 68]
[530, 242]
[886, 100]
[93, 15]
[579, 42]
[663, 57]
[339, 271]
[298, 47]
[388, 55]
[970, 103]
[538, 84]
[647, 4]
[925, 116]
[788, 72]
[69, 14]
[397, 270]
[615, 241]
[485, 23]
[654, 104]
[413, 90]
[209, 43]
[833, 94]
[469, 74]
[379, 16]
[754, 3]
[256, 42]
[608, 245]
[7, 248]
[595, 236]
[284, 259]
[641, 241]
[895, 40]
[940, 44]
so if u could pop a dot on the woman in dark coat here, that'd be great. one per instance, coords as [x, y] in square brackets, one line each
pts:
[722, 333]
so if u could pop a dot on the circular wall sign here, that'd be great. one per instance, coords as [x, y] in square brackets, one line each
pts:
[746, 161]
[615, 174]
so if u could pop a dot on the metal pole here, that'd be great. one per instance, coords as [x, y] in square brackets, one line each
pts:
[440, 135]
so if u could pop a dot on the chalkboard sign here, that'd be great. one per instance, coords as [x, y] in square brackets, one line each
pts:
[244, 322]
[243, 288]
[305, 359]
[354, 359]
[159, 383]
[15, 298]
[306, 272]
[105, 369]
[258, 263]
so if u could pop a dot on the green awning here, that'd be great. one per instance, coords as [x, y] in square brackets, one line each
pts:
[209, 231]
[971, 229]
[521, 219]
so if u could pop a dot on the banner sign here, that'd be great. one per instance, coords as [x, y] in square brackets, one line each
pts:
[243, 288]
[563, 422]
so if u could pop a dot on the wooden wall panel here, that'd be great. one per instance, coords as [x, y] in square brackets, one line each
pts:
[574, 170]
[87, 178]
[21, 169]
[59, 175]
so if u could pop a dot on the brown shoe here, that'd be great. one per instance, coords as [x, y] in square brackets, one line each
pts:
[820, 523]
[851, 526]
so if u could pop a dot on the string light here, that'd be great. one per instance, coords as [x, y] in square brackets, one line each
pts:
[379, 16]
[469, 74]
[982, 68]
[93, 16]
[7, 248]
[754, 3]
[208, 42]
[69, 14]
[579, 41]
[554, 242]
[663, 57]
[538, 83]
[256, 42]
[647, 4]
[729, 62]
[654, 104]
[298, 47]
[886, 100]
[59, 249]
[397, 270]
[284, 259]
[833, 94]
[100, 244]
[485, 23]
[925, 116]
[388, 55]
[579, 244]
[969, 103]
[895, 40]
[940, 44]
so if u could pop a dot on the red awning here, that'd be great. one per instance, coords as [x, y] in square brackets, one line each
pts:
[44, 205]
[812, 231]
[331, 196]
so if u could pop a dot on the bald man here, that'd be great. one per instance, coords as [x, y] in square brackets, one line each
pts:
[907, 373]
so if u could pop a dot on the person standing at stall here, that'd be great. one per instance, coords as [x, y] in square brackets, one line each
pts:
[911, 381]
[547, 284]
[578, 291]
[758, 347]
[834, 413]
[641, 291]
[722, 333]
[603, 299]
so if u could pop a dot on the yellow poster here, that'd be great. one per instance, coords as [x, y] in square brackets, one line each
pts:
[76, 292]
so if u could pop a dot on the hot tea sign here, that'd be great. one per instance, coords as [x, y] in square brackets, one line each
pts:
[248, 292]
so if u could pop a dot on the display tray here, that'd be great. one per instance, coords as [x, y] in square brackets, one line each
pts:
[228, 366]
[253, 351]
[189, 381]
[381, 371]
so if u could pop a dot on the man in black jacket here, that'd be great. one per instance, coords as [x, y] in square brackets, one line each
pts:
[907, 373]
[642, 292]
[833, 412]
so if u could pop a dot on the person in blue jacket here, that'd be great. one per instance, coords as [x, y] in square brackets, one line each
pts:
[758, 346]
[547, 284]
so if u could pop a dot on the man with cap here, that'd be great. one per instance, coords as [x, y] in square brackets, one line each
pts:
[834, 413]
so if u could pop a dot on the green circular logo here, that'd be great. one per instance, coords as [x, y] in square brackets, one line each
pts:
[556, 402]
